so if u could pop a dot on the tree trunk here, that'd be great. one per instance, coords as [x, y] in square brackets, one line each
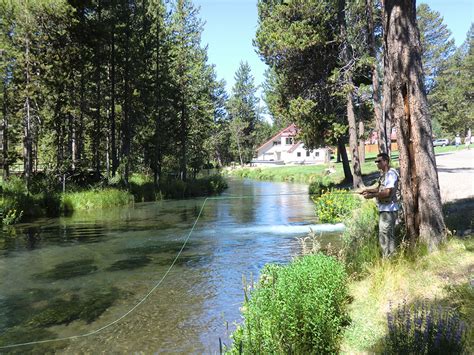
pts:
[27, 122]
[354, 146]
[348, 83]
[341, 151]
[98, 124]
[361, 132]
[385, 127]
[5, 163]
[158, 156]
[113, 145]
[126, 134]
[379, 121]
[183, 139]
[409, 109]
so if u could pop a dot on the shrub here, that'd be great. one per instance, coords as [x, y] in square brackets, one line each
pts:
[214, 184]
[335, 205]
[424, 330]
[100, 198]
[319, 186]
[360, 241]
[298, 308]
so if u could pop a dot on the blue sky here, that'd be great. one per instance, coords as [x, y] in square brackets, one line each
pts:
[231, 26]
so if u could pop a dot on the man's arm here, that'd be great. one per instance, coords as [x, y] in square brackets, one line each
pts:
[371, 193]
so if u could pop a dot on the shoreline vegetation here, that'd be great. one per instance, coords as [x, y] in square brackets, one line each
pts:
[45, 197]
[414, 302]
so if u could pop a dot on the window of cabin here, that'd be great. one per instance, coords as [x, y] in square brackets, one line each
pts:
[289, 140]
[307, 153]
[298, 154]
[316, 154]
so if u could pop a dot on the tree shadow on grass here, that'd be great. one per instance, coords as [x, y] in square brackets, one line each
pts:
[431, 326]
[459, 215]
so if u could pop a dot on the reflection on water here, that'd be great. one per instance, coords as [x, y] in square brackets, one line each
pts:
[70, 276]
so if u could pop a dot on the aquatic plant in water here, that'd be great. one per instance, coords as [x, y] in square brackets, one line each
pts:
[130, 263]
[69, 269]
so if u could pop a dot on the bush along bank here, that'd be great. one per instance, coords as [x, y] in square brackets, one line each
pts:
[46, 199]
[414, 302]
[299, 308]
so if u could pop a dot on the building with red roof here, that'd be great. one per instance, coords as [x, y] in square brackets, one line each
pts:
[284, 148]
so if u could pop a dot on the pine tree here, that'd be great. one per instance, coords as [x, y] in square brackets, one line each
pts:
[243, 113]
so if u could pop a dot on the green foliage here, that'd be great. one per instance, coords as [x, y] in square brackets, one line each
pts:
[335, 206]
[299, 308]
[451, 100]
[436, 44]
[214, 184]
[96, 198]
[319, 186]
[360, 240]
[12, 216]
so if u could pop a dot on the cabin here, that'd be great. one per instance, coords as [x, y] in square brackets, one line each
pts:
[283, 148]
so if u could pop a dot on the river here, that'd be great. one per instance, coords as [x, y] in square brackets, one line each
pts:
[69, 277]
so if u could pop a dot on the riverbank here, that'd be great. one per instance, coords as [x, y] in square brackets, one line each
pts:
[46, 199]
[389, 301]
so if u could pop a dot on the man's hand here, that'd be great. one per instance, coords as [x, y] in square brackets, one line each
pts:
[368, 194]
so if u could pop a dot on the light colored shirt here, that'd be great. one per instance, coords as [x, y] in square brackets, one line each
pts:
[389, 180]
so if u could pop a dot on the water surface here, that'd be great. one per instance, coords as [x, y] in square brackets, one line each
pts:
[71, 276]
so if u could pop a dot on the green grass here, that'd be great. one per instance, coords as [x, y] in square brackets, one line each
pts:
[310, 173]
[442, 278]
[94, 199]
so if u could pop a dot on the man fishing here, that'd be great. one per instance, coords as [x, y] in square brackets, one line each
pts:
[386, 195]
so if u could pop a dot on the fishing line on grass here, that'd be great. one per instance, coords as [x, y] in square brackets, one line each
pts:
[159, 282]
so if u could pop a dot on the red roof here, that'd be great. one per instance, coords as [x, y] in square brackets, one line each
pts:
[292, 149]
[289, 131]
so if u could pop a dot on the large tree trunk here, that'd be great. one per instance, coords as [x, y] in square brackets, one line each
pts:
[379, 121]
[126, 129]
[409, 110]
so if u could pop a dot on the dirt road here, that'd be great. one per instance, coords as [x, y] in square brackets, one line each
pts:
[456, 174]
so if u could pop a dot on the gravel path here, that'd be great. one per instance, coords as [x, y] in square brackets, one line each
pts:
[456, 174]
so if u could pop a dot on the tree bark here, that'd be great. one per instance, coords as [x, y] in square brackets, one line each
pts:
[354, 145]
[361, 132]
[5, 137]
[27, 122]
[113, 145]
[409, 109]
[379, 121]
[348, 83]
[341, 150]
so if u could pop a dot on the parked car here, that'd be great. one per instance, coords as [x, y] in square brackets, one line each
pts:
[443, 142]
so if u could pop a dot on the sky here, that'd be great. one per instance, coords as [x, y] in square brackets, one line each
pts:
[231, 25]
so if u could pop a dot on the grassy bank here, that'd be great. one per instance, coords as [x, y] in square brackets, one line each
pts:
[46, 199]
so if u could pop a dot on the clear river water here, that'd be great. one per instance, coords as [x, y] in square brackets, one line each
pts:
[71, 276]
